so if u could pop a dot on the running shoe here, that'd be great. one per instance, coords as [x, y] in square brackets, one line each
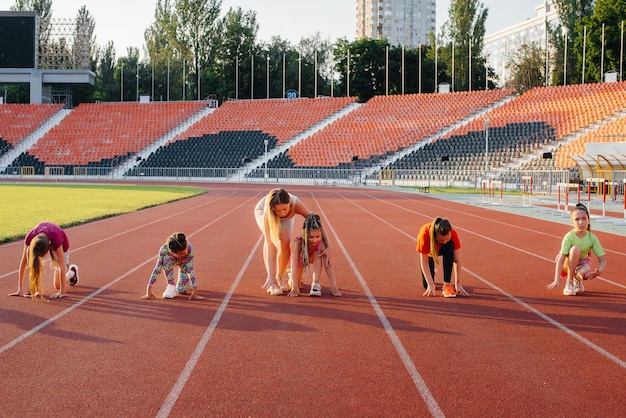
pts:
[569, 289]
[578, 286]
[316, 290]
[170, 292]
[74, 279]
[448, 291]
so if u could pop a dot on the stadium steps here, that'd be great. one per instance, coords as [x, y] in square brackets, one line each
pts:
[553, 148]
[32, 139]
[436, 136]
[131, 163]
[258, 163]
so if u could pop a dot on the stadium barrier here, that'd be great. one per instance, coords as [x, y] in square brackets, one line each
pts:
[54, 172]
[544, 181]
[27, 171]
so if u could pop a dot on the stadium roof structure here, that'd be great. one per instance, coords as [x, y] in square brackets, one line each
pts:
[41, 80]
[591, 165]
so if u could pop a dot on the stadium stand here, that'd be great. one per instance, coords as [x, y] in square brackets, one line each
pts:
[386, 124]
[281, 118]
[17, 121]
[612, 131]
[236, 132]
[98, 133]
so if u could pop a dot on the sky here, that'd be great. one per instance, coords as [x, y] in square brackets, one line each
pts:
[124, 21]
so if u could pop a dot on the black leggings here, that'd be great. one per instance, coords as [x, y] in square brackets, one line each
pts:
[447, 251]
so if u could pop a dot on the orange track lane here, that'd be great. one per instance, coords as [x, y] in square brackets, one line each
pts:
[382, 349]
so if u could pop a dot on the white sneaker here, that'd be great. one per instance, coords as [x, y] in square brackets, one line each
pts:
[316, 290]
[578, 286]
[170, 292]
[569, 289]
[274, 290]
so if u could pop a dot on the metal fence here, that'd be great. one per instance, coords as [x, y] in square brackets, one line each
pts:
[543, 181]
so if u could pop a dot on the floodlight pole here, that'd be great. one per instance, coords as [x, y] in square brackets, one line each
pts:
[265, 141]
[486, 144]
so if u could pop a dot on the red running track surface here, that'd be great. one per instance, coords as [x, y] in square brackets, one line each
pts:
[382, 349]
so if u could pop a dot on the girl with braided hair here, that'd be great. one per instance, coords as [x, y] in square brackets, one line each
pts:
[306, 250]
[176, 252]
[46, 239]
[274, 215]
[437, 239]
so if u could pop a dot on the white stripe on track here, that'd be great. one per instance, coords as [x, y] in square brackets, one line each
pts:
[176, 390]
[526, 306]
[418, 381]
[97, 292]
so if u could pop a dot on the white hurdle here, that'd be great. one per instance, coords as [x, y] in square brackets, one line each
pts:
[527, 181]
[601, 183]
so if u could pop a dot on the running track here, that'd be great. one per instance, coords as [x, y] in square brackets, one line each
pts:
[382, 349]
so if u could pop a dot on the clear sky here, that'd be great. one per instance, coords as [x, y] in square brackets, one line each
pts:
[124, 21]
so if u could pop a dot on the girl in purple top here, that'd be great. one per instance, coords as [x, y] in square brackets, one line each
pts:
[46, 238]
[309, 249]
[176, 252]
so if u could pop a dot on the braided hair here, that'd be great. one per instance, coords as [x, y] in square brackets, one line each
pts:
[439, 226]
[311, 223]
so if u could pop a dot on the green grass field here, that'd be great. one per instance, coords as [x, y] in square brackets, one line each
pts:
[25, 205]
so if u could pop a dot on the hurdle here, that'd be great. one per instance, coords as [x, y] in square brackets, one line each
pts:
[489, 191]
[566, 187]
[527, 181]
[599, 181]
[624, 188]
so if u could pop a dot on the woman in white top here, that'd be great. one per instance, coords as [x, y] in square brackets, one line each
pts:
[275, 215]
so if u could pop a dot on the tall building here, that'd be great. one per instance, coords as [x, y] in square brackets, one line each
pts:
[401, 22]
[499, 46]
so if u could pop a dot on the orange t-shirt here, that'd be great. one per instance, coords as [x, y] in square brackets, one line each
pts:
[423, 240]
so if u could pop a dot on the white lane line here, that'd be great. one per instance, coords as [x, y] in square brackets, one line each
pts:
[97, 292]
[176, 390]
[418, 381]
[543, 316]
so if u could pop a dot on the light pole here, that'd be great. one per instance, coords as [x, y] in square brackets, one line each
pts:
[268, 77]
[486, 144]
[265, 142]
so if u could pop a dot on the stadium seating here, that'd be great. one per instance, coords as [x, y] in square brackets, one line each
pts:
[17, 121]
[386, 124]
[96, 132]
[280, 118]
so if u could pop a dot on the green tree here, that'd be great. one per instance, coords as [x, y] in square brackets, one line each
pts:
[564, 35]
[196, 35]
[107, 88]
[608, 14]
[464, 33]
[526, 66]
[237, 37]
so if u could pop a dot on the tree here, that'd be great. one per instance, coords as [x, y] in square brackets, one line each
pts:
[564, 35]
[196, 33]
[602, 51]
[465, 31]
[84, 44]
[107, 88]
[527, 68]
[237, 37]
